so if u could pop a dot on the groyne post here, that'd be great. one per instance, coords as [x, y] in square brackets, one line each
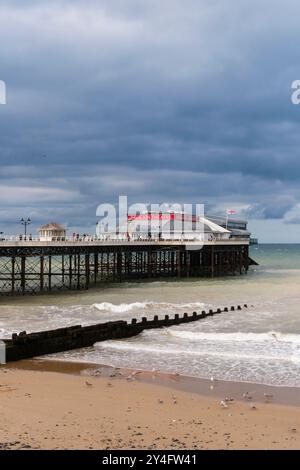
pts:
[24, 345]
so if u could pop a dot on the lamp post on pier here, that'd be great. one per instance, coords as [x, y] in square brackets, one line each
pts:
[25, 222]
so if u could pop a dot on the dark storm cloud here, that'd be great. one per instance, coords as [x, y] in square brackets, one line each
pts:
[159, 100]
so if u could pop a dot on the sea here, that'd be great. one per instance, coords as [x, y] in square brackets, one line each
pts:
[260, 344]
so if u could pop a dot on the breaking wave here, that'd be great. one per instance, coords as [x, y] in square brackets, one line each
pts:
[239, 337]
[124, 308]
[248, 347]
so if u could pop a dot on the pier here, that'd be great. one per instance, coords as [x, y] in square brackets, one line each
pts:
[26, 346]
[37, 267]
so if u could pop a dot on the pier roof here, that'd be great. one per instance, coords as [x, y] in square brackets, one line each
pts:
[52, 226]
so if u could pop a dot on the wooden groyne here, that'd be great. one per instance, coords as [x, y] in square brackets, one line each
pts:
[25, 346]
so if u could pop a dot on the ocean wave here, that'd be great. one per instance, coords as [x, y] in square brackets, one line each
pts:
[123, 308]
[273, 336]
[167, 350]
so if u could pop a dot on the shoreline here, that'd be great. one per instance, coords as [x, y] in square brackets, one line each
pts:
[281, 395]
[52, 406]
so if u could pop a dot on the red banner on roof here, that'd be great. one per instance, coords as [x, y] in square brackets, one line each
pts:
[161, 216]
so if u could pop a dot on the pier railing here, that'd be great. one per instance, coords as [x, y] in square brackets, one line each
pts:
[117, 239]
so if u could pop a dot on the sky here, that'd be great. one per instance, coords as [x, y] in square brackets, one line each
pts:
[160, 100]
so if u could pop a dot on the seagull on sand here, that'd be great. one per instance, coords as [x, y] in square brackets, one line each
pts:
[88, 384]
[223, 404]
[247, 396]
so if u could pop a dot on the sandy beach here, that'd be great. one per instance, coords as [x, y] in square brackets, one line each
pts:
[53, 408]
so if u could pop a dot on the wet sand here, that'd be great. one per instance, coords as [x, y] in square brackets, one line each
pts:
[212, 388]
[51, 405]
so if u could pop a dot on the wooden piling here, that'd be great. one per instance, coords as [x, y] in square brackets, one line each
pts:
[36, 269]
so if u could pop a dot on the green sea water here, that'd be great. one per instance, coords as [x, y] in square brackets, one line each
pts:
[260, 345]
[276, 256]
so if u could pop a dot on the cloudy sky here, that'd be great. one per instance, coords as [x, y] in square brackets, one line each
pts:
[161, 100]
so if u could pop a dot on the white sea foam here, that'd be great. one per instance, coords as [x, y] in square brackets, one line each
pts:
[123, 308]
[169, 351]
[271, 336]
